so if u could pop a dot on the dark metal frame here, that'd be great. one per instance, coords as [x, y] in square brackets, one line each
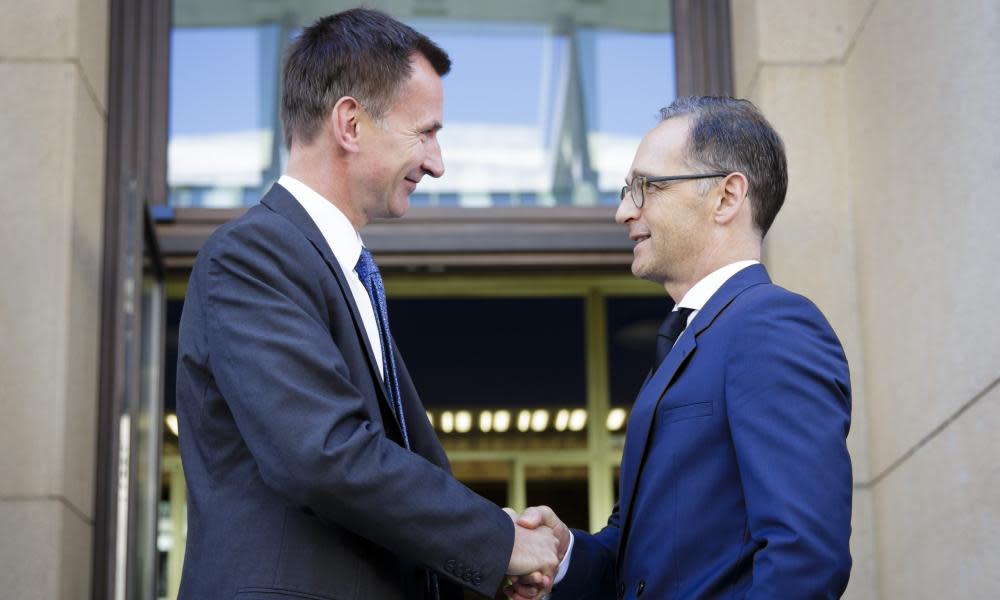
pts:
[134, 177]
[703, 41]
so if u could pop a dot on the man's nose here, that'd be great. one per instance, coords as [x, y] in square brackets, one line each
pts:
[433, 163]
[626, 211]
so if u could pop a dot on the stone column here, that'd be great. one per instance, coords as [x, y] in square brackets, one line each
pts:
[889, 111]
[788, 58]
[53, 70]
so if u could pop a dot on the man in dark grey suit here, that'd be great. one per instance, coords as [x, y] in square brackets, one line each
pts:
[312, 470]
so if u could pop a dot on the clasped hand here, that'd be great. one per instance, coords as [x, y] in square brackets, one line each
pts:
[540, 543]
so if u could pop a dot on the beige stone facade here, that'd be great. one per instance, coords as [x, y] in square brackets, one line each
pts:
[888, 108]
[53, 69]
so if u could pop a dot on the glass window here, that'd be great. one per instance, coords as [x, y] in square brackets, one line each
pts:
[632, 325]
[564, 489]
[545, 104]
[493, 353]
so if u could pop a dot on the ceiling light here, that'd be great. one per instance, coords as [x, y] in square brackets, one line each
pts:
[463, 421]
[578, 419]
[501, 421]
[171, 421]
[539, 420]
[447, 421]
[616, 418]
[524, 420]
[562, 420]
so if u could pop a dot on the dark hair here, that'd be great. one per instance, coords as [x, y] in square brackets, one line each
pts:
[730, 135]
[360, 53]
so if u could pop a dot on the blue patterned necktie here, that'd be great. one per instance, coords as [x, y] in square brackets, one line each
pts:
[372, 280]
[367, 271]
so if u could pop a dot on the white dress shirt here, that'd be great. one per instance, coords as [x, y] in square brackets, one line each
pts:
[699, 294]
[345, 243]
[695, 299]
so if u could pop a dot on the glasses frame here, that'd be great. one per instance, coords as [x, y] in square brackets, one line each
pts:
[643, 180]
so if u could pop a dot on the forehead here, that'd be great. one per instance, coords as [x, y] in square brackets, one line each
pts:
[662, 149]
[422, 95]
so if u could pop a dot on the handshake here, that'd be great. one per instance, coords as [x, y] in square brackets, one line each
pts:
[540, 543]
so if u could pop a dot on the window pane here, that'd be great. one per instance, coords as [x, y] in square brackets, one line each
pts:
[562, 488]
[489, 479]
[545, 104]
[497, 374]
[632, 325]
[502, 353]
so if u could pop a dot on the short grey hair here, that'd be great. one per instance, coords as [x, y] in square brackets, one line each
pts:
[732, 135]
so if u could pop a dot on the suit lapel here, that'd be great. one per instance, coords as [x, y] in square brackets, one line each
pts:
[282, 202]
[644, 410]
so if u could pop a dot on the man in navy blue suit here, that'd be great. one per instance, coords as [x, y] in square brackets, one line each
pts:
[735, 477]
[312, 470]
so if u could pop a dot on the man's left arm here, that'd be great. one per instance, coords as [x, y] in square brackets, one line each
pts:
[789, 402]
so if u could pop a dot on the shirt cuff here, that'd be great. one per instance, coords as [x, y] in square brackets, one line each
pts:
[564, 565]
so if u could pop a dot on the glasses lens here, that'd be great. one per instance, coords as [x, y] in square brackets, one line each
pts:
[636, 190]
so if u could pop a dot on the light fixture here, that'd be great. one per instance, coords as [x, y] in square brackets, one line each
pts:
[562, 420]
[524, 420]
[501, 420]
[539, 420]
[447, 421]
[463, 421]
[616, 418]
[171, 421]
[486, 421]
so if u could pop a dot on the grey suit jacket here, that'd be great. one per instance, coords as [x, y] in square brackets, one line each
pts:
[298, 483]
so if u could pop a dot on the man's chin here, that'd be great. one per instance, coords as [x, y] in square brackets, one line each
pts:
[397, 207]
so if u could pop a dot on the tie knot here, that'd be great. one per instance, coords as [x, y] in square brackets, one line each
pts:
[675, 323]
[366, 266]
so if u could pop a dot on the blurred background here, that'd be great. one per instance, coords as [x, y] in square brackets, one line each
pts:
[134, 128]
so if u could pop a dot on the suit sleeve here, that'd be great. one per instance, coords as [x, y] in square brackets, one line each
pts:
[591, 573]
[789, 410]
[311, 432]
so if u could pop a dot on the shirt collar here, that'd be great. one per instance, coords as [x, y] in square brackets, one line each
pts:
[343, 239]
[698, 296]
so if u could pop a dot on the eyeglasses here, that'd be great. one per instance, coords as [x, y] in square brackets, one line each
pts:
[636, 188]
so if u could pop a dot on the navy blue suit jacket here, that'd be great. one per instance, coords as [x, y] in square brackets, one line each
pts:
[735, 478]
[298, 484]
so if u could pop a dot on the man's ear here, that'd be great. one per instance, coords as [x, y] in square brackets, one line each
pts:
[344, 123]
[731, 197]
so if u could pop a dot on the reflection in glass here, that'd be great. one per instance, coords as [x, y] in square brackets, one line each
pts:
[564, 489]
[632, 325]
[505, 353]
[544, 105]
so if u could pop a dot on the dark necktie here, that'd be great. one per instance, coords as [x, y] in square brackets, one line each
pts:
[368, 273]
[671, 328]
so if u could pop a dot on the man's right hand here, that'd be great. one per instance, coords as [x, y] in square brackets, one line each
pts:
[535, 550]
[538, 584]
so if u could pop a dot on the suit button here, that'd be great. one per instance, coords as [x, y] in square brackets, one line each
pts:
[639, 589]
[449, 566]
[477, 579]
